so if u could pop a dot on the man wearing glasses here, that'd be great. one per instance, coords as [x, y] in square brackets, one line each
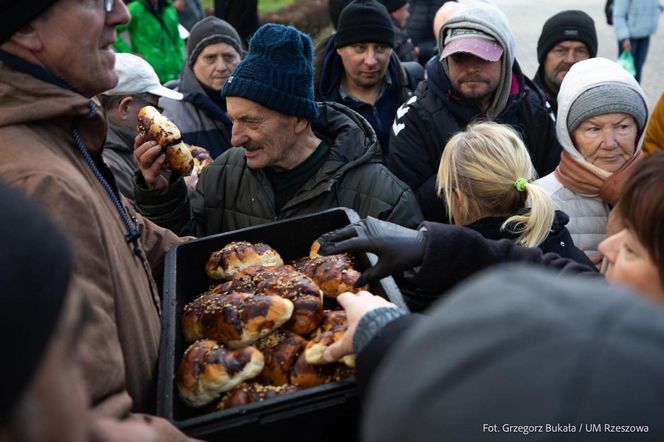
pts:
[54, 56]
[567, 38]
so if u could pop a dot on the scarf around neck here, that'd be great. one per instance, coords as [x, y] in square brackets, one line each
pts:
[591, 181]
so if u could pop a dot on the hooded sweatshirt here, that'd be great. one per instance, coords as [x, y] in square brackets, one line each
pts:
[425, 122]
[588, 213]
[490, 20]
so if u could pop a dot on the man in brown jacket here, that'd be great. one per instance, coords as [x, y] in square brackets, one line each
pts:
[51, 135]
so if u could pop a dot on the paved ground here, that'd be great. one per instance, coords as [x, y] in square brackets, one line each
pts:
[527, 17]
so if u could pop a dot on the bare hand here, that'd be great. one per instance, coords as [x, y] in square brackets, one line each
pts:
[627, 45]
[151, 160]
[356, 305]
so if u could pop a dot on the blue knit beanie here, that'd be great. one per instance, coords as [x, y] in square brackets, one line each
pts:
[277, 72]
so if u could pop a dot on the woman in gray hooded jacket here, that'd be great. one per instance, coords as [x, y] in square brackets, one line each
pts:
[602, 114]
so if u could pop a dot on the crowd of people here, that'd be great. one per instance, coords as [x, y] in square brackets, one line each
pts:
[413, 113]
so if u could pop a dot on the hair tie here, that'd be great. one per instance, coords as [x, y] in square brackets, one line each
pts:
[520, 184]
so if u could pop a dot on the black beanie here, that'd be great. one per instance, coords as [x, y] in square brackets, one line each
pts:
[211, 30]
[16, 14]
[567, 25]
[36, 264]
[364, 21]
[334, 8]
[393, 5]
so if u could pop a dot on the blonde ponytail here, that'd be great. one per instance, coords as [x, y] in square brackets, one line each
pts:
[478, 176]
[532, 227]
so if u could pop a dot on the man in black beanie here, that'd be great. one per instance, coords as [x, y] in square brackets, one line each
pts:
[567, 38]
[358, 69]
[293, 156]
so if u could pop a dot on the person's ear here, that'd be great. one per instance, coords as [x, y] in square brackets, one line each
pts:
[464, 210]
[28, 38]
[125, 108]
[300, 124]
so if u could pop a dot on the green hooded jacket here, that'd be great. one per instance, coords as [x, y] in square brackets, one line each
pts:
[155, 39]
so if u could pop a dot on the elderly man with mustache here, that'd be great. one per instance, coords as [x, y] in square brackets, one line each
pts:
[475, 78]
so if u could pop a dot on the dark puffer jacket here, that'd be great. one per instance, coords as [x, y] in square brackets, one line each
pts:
[229, 195]
[436, 112]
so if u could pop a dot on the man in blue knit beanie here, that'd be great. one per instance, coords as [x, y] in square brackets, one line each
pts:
[293, 156]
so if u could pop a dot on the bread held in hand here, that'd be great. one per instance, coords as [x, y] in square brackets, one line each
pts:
[156, 127]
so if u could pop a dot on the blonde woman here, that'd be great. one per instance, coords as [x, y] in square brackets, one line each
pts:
[485, 176]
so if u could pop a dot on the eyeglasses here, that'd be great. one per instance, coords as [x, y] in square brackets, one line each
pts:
[108, 5]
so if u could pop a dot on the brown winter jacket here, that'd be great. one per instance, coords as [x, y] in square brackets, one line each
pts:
[38, 154]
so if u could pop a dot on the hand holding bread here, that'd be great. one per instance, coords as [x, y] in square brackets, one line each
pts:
[157, 135]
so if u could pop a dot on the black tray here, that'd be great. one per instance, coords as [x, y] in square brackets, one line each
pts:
[326, 412]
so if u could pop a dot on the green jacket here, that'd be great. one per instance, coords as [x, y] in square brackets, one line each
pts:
[230, 196]
[158, 42]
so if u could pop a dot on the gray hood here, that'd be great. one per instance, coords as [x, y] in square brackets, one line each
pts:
[486, 17]
[585, 75]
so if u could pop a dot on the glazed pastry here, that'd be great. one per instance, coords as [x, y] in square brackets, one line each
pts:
[224, 264]
[156, 127]
[208, 369]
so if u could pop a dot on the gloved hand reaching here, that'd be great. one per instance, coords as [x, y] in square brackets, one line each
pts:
[398, 248]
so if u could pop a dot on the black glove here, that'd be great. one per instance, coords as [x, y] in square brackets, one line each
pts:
[398, 248]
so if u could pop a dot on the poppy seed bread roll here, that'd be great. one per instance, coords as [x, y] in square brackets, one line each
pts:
[208, 369]
[156, 127]
[236, 256]
[236, 319]
[280, 350]
[332, 329]
[334, 274]
[202, 157]
[250, 392]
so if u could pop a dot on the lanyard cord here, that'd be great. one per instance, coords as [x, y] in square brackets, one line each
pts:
[133, 234]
